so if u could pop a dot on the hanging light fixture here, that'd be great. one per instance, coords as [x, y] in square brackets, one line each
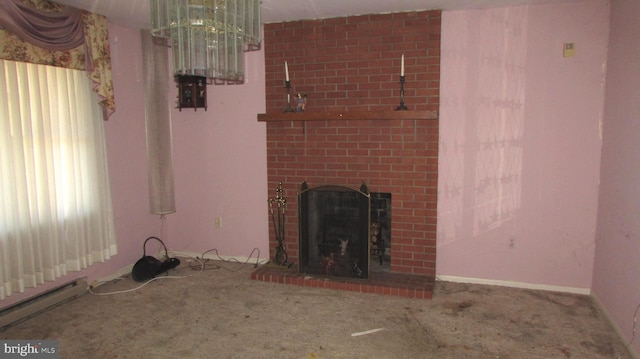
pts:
[208, 37]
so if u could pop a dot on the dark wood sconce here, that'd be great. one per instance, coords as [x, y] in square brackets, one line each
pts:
[192, 92]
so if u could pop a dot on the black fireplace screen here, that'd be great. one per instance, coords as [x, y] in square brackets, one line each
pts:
[334, 231]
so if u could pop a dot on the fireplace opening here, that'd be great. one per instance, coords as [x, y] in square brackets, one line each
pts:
[334, 231]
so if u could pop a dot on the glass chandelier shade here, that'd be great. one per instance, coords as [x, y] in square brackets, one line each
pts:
[208, 37]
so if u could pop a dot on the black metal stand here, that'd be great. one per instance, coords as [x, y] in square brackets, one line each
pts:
[402, 107]
[277, 217]
[287, 85]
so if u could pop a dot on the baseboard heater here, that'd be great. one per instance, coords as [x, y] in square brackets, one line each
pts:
[41, 302]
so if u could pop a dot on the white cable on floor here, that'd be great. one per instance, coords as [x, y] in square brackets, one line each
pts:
[147, 282]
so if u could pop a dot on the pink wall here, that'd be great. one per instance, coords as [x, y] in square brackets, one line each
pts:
[219, 161]
[220, 170]
[616, 270]
[520, 143]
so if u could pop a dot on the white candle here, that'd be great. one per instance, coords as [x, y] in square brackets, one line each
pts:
[402, 66]
[286, 71]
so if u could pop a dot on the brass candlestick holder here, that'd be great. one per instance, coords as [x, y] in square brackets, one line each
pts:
[287, 85]
[402, 107]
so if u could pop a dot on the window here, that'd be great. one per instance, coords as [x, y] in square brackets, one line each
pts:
[55, 214]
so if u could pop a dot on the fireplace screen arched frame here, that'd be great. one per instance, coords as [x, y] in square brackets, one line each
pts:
[334, 231]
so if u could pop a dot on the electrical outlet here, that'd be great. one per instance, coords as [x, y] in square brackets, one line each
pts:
[218, 222]
[569, 49]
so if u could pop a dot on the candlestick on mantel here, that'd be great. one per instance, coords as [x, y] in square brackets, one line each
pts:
[286, 71]
[402, 107]
[287, 85]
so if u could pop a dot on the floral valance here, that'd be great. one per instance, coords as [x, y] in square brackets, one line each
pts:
[43, 32]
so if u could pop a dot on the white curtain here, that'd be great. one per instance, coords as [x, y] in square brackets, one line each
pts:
[55, 203]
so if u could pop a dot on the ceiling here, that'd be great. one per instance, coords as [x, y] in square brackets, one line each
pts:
[135, 13]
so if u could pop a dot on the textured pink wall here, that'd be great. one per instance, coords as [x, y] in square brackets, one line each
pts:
[221, 171]
[219, 162]
[617, 260]
[519, 143]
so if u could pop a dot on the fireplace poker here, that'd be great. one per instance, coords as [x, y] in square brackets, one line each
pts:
[278, 224]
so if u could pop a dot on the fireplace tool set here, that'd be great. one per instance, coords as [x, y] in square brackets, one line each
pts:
[277, 217]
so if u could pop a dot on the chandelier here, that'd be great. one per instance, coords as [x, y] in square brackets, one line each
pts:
[208, 37]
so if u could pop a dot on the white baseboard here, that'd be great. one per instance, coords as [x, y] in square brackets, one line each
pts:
[506, 283]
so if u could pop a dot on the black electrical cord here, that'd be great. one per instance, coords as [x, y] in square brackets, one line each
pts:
[215, 266]
[144, 246]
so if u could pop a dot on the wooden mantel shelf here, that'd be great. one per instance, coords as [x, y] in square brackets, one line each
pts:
[348, 115]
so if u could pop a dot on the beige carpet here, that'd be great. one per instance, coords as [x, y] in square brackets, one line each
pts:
[221, 313]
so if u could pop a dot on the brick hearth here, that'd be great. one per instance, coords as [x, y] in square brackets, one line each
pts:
[394, 284]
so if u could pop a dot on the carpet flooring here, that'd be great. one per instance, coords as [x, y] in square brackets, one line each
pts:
[219, 312]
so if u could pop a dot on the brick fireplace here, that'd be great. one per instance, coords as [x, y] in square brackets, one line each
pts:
[349, 133]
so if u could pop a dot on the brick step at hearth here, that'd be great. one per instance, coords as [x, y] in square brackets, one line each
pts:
[385, 283]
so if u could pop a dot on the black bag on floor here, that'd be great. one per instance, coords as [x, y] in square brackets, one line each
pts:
[148, 267]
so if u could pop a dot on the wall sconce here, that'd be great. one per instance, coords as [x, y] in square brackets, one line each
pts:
[192, 92]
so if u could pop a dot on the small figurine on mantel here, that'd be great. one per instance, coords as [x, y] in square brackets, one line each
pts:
[302, 102]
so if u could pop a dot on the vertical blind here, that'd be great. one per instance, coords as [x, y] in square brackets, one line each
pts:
[55, 214]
